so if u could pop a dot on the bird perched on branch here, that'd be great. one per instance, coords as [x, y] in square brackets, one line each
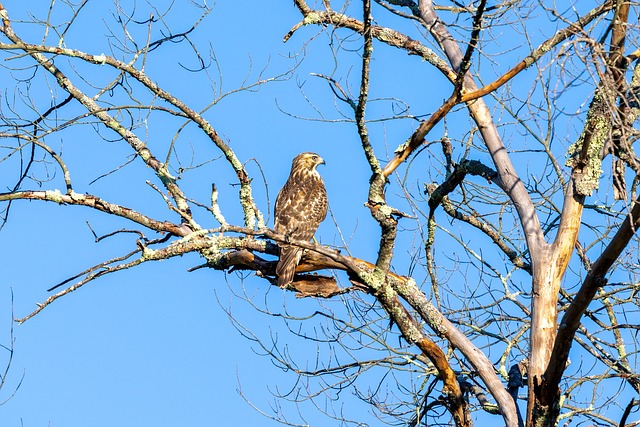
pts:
[300, 207]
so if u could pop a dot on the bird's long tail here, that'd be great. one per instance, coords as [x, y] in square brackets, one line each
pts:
[286, 268]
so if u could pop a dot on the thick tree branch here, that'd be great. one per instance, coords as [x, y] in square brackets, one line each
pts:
[594, 281]
[88, 200]
[383, 34]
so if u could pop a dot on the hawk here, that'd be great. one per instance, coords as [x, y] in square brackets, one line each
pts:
[300, 207]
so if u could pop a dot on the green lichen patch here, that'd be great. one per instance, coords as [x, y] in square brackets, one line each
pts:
[585, 156]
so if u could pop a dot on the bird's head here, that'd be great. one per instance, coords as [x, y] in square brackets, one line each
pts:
[307, 161]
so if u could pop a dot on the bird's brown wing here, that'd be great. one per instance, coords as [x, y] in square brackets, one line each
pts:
[289, 220]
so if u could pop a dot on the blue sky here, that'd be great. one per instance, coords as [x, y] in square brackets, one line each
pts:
[156, 345]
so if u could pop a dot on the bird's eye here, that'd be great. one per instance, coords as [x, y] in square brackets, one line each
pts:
[314, 157]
